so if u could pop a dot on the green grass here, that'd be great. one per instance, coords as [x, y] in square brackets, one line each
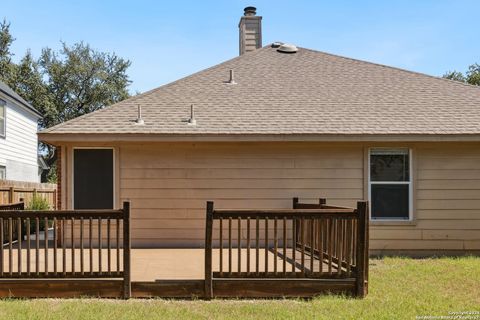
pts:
[400, 288]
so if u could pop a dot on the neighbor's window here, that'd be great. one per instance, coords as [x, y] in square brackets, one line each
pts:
[2, 118]
[390, 184]
[3, 173]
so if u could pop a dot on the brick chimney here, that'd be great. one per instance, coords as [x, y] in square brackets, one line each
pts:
[250, 28]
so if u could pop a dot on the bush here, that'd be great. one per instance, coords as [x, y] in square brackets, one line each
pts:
[38, 203]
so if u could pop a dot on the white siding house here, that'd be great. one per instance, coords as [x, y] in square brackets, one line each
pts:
[18, 137]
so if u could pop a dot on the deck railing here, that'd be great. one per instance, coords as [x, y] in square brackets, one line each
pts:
[66, 244]
[309, 242]
[14, 224]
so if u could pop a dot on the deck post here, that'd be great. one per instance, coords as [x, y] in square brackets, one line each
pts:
[322, 202]
[208, 251]
[11, 195]
[362, 249]
[295, 203]
[127, 283]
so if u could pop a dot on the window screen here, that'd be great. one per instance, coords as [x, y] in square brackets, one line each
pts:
[93, 179]
[390, 184]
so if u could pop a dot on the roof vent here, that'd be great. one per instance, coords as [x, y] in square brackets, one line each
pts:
[232, 77]
[276, 44]
[191, 121]
[287, 48]
[139, 116]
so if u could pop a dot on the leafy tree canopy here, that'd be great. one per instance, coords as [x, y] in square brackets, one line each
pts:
[471, 76]
[63, 84]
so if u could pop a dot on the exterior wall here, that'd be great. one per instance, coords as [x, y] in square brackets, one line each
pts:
[18, 150]
[169, 183]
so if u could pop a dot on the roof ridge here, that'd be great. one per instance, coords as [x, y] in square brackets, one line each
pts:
[391, 67]
[149, 92]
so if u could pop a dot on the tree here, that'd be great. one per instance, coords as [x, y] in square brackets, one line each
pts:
[64, 84]
[472, 76]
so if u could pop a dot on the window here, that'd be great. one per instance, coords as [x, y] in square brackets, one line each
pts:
[3, 116]
[3, 173]
[93, 178]
[390, 184]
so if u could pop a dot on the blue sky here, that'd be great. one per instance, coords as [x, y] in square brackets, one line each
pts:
[166, 40]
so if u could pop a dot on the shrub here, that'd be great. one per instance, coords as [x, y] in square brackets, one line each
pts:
[38, 203]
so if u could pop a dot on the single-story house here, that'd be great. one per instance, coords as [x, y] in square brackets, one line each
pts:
[278, 122]
[19, 158]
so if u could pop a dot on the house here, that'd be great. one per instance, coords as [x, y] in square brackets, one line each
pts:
[278, 122]
[18, 138]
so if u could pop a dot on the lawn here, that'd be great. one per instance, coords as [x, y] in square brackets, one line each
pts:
[400, 288]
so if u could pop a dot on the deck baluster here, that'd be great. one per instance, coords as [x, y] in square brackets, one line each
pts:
[1, 248]
[239, 245]
[10, 243]
[73, 245]
[221, 245]
[230, 246]
[28, 245]
[37, 246]
[109, 246]
[266, 246]
[275, 245]
[45, 240]
[99, 245]
[19, 245]
[82, 271]
[54, 246]
[248, 245]
[284, 246]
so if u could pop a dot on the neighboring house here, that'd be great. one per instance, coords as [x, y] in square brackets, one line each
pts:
[306, 124]
[18, 138]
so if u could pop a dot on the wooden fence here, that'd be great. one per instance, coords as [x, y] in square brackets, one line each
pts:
[84, 250]
[309, 242]
[13, 191]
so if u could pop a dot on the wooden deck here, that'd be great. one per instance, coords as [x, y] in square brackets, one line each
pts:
[159, 264]
[301, 252]
[165, 273]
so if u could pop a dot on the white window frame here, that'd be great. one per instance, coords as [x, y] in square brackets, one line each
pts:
[114, 177]
[409, 183]
[4, 169]
[3, 118]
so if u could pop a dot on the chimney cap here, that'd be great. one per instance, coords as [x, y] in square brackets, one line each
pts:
[250, 11]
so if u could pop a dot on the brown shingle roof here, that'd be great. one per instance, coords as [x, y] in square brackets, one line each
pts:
[308, 92]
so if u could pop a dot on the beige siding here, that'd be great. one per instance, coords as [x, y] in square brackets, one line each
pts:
[169, 183]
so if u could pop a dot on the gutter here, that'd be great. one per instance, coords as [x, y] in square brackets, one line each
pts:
[55, 138]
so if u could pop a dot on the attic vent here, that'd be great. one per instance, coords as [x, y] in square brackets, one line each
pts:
[276, 44]
[287, 48]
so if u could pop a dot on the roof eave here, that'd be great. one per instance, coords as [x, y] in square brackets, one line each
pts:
[26, 106]
[62, 138]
